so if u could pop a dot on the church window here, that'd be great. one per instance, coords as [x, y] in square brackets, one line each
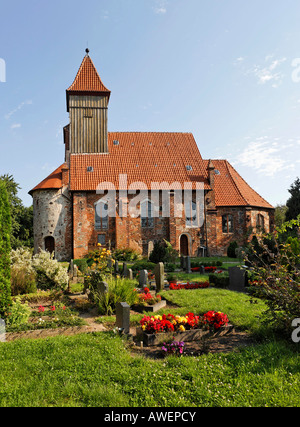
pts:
[260, 222]
[101, 216]
[147, 220]
[227, 223]
[191, 215]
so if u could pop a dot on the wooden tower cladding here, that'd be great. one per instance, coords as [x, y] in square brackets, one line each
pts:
[87, 104]
[88, 124]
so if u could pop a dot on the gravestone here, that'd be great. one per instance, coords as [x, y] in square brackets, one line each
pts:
[2, 330]
[202, 269]
[183, 263]
[130, 274]
[159, 276]
[237, 279]
[116, 268]
[109, 263]
[102, 287]
[123, 316]
[125, 270]
[71, 269]
[188, 265]
[75, 271]
[143, 279]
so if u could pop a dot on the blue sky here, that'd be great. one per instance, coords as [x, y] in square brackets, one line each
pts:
[227, 71]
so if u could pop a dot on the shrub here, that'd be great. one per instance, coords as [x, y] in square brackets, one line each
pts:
[50, 273]
[159, 253]
[231, 249]
[277, 278]
[5, 230]
[143, 265]
[18, 313]
[119, 290]
[23, 276]
[81, 264]
[163, 252]
[219, 280]
[125, 254]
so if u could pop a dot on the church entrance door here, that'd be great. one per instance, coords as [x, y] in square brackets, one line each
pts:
[184, 245]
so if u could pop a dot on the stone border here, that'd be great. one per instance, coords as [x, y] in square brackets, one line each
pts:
[186, 336]
[152, 308]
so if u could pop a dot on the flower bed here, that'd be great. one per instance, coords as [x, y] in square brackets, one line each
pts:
[210, 269]
[191, 327]
[149, 302]
[188, 285]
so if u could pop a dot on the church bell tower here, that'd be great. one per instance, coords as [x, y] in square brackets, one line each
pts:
[87, 104]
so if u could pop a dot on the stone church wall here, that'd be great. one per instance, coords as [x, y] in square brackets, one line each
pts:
[52, 218]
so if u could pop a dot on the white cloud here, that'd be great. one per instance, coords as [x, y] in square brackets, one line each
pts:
[15, 126]
[270, 72]
[160, 7]
[19, 107]
[264, 156]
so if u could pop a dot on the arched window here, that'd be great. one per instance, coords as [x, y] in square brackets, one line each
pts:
[101, 215]
[147, 219]
[227, 223]
[260, 222]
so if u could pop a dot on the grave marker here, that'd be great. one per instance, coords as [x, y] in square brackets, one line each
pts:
[123, 316]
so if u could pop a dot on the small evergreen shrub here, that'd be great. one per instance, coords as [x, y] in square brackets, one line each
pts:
[231, 249]
[5, 247]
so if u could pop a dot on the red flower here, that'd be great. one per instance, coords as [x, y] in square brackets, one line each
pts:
[215, 319]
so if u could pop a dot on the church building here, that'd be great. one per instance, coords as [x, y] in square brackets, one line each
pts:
[90, 198]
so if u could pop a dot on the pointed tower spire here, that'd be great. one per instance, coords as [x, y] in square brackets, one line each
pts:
[87, 104]
[87, 81]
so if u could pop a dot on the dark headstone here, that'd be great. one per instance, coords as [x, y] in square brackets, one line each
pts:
[123, 316]
[116, 267]
[188, 265]
[237, 279]
[125, 270]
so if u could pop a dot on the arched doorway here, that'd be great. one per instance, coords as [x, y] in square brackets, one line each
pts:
[49, 244]
[184, 245]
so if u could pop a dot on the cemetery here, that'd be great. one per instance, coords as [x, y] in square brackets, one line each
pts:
[154, 316]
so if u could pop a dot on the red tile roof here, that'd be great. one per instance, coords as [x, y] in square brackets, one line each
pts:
[53, 181]
[232, 190]
[144, 156]
[88, 79]
[149, 157]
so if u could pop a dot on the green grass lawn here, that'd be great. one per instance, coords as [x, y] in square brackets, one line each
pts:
[97, 370]
[100, 370]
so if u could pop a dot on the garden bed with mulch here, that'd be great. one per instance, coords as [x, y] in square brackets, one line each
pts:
[221, 344]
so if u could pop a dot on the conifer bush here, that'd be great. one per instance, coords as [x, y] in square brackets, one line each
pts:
[5, 230]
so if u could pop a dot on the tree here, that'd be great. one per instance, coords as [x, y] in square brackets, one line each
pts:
[5, 248]
[22, 217]
[293, 202]
[280, 212]
[276, 275]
